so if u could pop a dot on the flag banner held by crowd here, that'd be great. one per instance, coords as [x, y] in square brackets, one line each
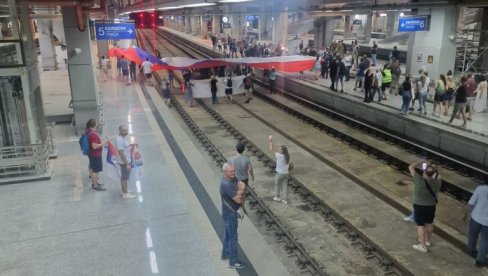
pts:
[201, 88]
[287, 64]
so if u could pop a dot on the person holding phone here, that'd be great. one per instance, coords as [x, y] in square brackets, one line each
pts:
[424, 202]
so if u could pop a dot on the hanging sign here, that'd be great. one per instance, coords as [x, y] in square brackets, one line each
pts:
[413, 24]
[108, 31]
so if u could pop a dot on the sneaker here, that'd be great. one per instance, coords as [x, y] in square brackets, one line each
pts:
[277, 199]
[98, 188]
[284, 201]
[224, 257]
[411, 109]
[237, 265]
[408, 219]
[128, 196]
[420, 248]
[122, 193]
[425, 113]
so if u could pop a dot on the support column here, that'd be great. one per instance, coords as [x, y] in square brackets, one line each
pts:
[216, 24]
[84, 90]
[390, 23]
[102, 48]
[433, 50]
[367, 27]
[187, 23]
[46, 44]
[347, 26]
[317, 34]
[484, 38]
[283, 28]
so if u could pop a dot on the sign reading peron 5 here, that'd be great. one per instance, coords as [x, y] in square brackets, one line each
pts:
[106, 31]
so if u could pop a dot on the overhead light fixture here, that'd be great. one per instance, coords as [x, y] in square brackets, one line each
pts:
[168, 8]
[402, 14]
[234, 1]
[382, 14]
[197, 5]
[356, 16]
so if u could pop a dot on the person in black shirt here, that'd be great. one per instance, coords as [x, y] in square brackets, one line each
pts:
[460, 101]
[213, 89]
[368, 85]
[333, 68]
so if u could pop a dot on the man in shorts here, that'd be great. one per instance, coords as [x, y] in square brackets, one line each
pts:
[123, 158]
[95, 153]
[424, 202]
[147, 68]
[124, 66]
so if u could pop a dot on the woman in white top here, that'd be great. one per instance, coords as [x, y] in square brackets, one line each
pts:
[283, 166]
[480, 103]
[423, 88]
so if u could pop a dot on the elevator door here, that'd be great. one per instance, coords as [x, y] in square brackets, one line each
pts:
[13, 120]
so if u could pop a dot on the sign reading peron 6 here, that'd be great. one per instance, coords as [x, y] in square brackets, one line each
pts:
[413, 24]
[106, 31]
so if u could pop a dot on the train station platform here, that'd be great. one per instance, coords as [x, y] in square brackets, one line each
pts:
[469, 143]
[172, 227]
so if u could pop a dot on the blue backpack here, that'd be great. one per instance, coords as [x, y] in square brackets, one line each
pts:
[84, 144]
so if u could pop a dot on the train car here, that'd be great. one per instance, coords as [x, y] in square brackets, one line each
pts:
[147, 19]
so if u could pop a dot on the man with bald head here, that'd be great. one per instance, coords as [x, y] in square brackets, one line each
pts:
[424, 202]
[123, 157]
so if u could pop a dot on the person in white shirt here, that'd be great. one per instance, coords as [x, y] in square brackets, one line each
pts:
[348, 64]
[478, 225]
[105, 66]
[147, 68]
[123, 158]
[283, 167]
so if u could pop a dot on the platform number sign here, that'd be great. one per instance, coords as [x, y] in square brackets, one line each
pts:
[109, 31]
[414, 24]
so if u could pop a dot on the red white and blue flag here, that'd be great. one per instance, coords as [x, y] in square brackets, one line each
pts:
[111, 154]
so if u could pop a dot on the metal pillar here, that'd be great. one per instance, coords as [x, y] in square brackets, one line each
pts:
[367, 27]
[84, 90]
[46, 44]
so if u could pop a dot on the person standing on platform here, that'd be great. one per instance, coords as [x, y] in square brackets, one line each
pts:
[147, 68]
[231, 195]
[385, 80]
[300, 47]
[423, 87]
[470, 95]
[478, 225]
[395, 54]
[360, 74]
[213, 89]
[348, 64]
[378, 77]
[406, 93]
[341, 49]
[333, 70]
[440, 90]
[424, 202]
[416, 90]
[355, 55]
[368, 85]
[283, 167]
[396, 72]
[341, 72]
[132, 71]
[272, 80]
[124, 67]
[481, 90]
[123, 158]
[460, 101]
[105, 66]
[166, 92]
[374, 52]
[450, 89]
[95, 153]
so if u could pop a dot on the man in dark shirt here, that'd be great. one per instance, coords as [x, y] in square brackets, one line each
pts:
[333, 70]
[361, 73]
[460, 101]
[470, 96]
[231, 194]
[374, 51]
[213, 89]
[395, 54]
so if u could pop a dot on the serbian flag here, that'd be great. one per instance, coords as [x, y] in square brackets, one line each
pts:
[111, 154]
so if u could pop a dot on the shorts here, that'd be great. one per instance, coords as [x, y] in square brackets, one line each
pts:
[95, 164]
[423, 214]
[125, 72]
[228, 91]
[246, 181]
[148, 75]
[124, 172]
[439, 97]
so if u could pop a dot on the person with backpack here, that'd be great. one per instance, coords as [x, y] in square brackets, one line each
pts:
[92, 146]
[228, 89]
[213, 89]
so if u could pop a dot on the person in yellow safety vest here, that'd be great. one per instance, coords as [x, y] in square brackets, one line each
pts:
[386, 80]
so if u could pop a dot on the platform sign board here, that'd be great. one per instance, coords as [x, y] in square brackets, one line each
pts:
[108, 31]
[413, 24]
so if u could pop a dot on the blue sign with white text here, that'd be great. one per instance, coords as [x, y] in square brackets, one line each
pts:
[107, 31]
[413, 24]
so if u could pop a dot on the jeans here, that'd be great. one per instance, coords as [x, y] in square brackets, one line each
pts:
[423, 101]
[229, 247]
[373, 92]
[341, 79]
[348, 71]
[406, 101]
[373, 57]
[359, 80]
[271, 86]
[214, 97]
[367, 94]
[281, 185]
[475, 230]
[188, 96]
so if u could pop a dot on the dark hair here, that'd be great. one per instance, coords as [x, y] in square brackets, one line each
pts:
[240, 147]
[286, 154]
[444, 80]
[449, 73]
[429, 171]
[91, 123]
[463, 79]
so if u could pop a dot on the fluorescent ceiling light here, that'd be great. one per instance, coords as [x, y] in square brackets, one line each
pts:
[382, 14]
[197, 5]
[168, 8]
[234, 1]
